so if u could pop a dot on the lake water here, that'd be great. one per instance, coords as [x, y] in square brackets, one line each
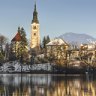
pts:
[46, 85]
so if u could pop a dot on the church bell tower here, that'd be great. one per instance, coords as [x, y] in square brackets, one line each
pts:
[35, 31]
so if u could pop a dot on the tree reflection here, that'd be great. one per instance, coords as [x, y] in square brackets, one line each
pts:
[46, 85]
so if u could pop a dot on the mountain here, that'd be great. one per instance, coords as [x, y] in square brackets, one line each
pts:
[77, 39]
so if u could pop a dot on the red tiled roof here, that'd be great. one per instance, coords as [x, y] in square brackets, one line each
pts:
[17, 37]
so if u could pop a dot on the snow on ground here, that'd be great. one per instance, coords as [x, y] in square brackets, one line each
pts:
[46, 67]
[15, 66]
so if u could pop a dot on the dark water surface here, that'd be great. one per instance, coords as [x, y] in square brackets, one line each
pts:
[46, 85]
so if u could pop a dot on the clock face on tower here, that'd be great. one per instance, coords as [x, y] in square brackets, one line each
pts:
[34, 27]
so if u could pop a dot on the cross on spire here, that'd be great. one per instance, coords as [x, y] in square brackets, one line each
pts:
[35, 6]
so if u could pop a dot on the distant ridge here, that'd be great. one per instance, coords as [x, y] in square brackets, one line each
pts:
[77, 39]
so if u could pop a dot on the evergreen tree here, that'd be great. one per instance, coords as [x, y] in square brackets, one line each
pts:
[45, 41]
[48, 39]
[24, 42]
[19, 29]
[23, 37]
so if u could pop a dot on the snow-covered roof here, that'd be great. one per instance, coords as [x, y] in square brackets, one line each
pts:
[57, 41]
[89, 46]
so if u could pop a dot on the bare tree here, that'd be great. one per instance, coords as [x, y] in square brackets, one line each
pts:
[3, 41]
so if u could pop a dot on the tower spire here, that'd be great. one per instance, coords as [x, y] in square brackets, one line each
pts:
[35, 14]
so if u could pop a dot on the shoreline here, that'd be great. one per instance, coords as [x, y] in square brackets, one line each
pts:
[67, 72]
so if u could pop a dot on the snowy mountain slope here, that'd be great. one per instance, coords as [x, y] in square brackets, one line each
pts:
[75, 38]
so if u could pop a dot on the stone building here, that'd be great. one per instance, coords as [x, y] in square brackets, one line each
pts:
[57, 50]
[15, 44]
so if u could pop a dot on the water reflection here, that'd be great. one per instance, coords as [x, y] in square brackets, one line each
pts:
[46, 85]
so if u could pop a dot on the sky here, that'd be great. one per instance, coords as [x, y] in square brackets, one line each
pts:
[56, 17]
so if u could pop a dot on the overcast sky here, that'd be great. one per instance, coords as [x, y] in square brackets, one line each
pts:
[56, 17]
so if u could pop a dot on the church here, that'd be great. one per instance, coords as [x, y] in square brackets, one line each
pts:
[34, 36]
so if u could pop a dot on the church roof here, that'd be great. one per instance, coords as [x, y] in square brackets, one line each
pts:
[17, 37]
[57, 42]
